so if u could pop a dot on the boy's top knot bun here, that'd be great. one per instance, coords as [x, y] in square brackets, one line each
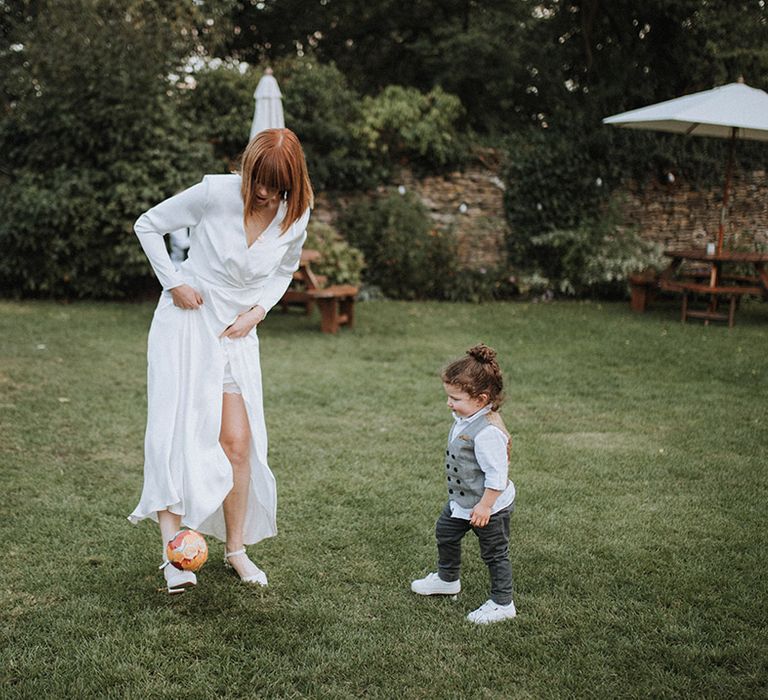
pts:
[478, 373]
[482, 353]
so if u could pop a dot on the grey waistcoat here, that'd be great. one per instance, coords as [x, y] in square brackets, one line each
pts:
[464, 478]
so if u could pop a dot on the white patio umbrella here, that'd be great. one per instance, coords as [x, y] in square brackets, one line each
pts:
[733, 111]
[268, 112]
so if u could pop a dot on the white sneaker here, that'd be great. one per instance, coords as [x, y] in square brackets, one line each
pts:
[432, 584]
[177, 581]
[492, 612]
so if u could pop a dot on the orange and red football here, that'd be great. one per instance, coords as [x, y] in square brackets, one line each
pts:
[187, 550]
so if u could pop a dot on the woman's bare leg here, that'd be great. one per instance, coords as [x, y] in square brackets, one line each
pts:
[235, 439]
[170, 524]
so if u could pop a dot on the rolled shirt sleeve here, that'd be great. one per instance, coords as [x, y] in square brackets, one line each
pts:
[183, 210]
[491, 454]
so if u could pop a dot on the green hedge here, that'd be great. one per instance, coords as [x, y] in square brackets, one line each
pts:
[351, 142]
[69, 234]
[407, 126]
[91, 136]
[340, 262]
[563, 189]
[405, 255]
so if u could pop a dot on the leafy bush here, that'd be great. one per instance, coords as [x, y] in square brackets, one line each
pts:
[69, 233]
[91, 137]
[596, 257]
[554, 181]
[317, 103]
[350, 142]
[325, 113]
[404, 124]
[340, 262]
[222, 105]
[565, 230]
[406, 256]
[479, 285]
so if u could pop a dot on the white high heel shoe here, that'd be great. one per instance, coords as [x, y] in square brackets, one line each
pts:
[177, 581]
[257, 576]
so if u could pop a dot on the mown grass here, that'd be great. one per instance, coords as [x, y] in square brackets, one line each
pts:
[638, 539]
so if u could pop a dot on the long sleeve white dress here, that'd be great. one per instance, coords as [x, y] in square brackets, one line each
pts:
[185, 468]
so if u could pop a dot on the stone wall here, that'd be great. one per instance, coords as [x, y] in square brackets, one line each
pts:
[681, 216]
[677, 214]
[469, 203]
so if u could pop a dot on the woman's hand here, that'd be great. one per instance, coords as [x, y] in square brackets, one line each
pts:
[186, 297]
[245, 323]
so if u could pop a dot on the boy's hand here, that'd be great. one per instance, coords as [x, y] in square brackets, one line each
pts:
[480, 515]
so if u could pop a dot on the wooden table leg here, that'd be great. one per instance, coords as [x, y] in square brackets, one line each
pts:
[714, 279]
[348, 310]
[329, 315]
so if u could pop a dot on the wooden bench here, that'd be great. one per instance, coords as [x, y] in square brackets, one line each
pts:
[299, 296]
[304, 279]
[733, 292]
[336, 304]
[642, 289]
[700, 274]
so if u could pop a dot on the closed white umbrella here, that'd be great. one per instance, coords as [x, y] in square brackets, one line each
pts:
[733, 111]
[268, 112]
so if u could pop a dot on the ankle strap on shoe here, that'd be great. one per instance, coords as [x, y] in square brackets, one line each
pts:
[227, 554]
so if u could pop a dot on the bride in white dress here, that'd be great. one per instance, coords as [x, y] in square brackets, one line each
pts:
[205, 464]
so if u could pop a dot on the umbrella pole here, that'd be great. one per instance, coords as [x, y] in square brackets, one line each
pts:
[726, 191]
[715, 270]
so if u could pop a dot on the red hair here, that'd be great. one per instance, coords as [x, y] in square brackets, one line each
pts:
[274, 159]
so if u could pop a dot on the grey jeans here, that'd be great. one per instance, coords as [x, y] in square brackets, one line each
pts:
[494, 549]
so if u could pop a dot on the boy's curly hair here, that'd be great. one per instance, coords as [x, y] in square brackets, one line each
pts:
[477, 373]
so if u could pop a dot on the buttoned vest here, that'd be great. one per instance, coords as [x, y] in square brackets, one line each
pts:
[464, 478]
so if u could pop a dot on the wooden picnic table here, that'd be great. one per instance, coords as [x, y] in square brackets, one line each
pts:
[713, 275]
[305, 273]
[336, 302]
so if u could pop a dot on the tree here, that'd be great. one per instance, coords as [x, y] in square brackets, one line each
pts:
[468, 48]
[597, 58]
[91, 136]
[510, 61]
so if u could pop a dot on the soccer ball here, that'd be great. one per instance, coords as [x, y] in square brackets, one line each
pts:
[187, 550]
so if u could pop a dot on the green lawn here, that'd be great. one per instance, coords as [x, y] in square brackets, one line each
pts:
[639, 545]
